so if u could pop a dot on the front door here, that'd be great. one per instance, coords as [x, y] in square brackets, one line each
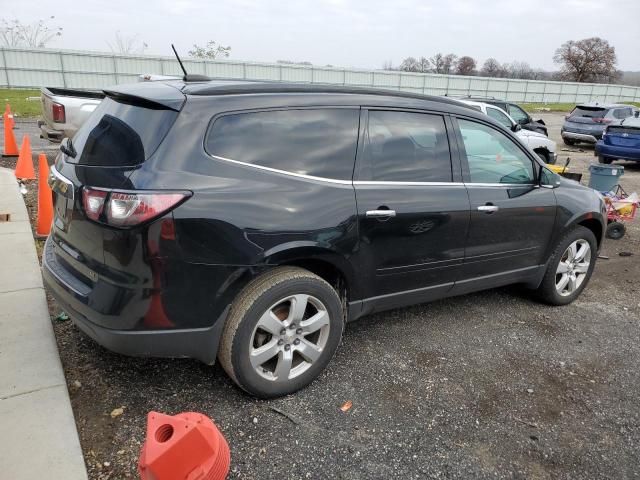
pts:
[512, 218]
[413, 209]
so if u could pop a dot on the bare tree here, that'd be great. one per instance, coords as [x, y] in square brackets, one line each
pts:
[466, 66]
[443, 63]
[14, 33]
[520, 70]
[409, 64]
[588, 60]
[493, 68]
[127, 44]
[211, 51]
[387, 65]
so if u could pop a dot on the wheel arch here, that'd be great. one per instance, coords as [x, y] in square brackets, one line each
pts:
[327, 264]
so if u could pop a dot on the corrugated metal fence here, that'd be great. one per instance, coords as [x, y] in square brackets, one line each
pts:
[95, 70]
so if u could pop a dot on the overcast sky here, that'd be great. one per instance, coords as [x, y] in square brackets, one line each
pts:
[358, 33]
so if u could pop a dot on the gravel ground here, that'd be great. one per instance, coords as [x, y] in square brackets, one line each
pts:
[488, 385]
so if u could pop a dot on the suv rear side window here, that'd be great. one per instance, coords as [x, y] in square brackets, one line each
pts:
[405, 147]
[621, 113]
[121, 134]
[318, 142]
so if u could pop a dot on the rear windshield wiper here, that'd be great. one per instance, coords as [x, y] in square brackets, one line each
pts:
[67, 148]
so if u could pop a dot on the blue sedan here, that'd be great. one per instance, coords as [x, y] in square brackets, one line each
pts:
[620, 141]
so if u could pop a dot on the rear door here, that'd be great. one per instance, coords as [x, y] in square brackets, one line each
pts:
[413, 210]
[511, 218]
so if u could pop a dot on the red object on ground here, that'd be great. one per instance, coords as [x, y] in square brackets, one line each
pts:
[45, 198]
[10, 145]
[187, 446]
[24, 166]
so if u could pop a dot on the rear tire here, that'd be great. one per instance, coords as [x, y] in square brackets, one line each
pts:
[616, 230]
[569, 268]
[605, 160]
[282, 331]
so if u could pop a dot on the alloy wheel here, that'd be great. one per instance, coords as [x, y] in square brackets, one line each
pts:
[573, 267]
[289, 337]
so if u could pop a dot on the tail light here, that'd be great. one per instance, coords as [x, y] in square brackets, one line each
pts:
[602, 120]
[57, 111]
[126, 208]
[93, 202]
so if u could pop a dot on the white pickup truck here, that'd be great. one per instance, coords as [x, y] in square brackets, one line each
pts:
[542, 146]
[65, 110]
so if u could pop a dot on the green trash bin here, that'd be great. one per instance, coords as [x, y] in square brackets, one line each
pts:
[604, 178]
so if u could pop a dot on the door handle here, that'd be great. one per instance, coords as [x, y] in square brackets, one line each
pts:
[380, 213]
[488, 208]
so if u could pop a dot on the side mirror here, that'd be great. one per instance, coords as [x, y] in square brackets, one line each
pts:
[516, 127]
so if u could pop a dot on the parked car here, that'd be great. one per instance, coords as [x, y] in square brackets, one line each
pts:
[516, 112]
[542, 146]
[250, 222]
[620, 142]
[64, 110]
[586, 122]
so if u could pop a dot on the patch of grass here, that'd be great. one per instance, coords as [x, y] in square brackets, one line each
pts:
[20, 106]
[558, 107]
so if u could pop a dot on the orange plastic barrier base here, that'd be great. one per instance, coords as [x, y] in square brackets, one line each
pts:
[187, 446]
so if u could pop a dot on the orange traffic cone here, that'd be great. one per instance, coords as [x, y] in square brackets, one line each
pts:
[12, 121]
[24, 166]
[45, 198]
[187, 446]
[10, 146]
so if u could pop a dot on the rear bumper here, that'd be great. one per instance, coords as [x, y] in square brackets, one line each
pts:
[618, 152]
[49, 133]
[581, 137]
[74, 298]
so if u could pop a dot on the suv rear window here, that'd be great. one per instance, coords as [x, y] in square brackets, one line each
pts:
[318, 142]
[121, 134]
[589, 112]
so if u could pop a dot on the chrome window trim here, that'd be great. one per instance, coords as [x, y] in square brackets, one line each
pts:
[507, 185]
[369, 182]
[282, 172]
[429, 184]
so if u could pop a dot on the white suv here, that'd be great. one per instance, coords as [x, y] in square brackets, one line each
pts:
[542, 146]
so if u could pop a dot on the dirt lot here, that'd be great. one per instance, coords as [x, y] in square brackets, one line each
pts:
[489, 385]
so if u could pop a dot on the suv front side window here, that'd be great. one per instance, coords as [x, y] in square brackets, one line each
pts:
[405, 147]
[493, 157]
[518, 114]
[499, 117]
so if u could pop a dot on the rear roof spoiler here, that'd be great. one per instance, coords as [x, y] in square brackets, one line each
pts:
[148, 94]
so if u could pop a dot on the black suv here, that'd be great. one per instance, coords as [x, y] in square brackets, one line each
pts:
[516, 112]
[250, 222]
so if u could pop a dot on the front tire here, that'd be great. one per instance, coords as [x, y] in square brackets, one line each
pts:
[569, 268]
[568, 141]
[282, 331]
[605, 160]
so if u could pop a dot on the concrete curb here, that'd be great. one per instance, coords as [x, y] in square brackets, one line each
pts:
[39, 433]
